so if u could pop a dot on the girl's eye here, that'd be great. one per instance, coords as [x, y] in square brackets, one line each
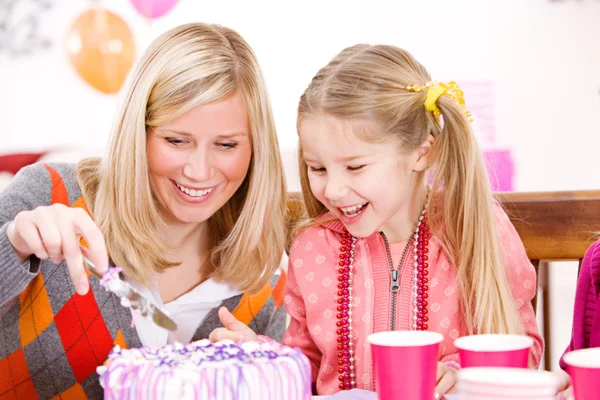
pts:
[317, 169]
[228, 145]
[356, 167]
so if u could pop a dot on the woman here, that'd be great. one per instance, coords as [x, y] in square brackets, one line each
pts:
[178, 202]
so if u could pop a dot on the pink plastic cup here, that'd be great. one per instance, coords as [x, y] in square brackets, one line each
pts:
[405, 364]
[494, 350]
[584, 368]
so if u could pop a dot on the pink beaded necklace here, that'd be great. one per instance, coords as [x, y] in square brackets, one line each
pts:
[420, 287]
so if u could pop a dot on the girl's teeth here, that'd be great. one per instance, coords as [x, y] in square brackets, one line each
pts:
[353, 211]
[193, 192]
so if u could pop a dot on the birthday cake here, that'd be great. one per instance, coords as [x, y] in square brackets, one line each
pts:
[203, 370]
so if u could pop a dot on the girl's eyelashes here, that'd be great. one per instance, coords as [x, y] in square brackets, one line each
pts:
[356, 167]
[352, 168]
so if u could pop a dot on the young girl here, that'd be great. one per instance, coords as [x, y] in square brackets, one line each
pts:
[382, 250]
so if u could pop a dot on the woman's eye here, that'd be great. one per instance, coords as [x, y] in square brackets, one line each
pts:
[228, 145]
[317, 169]
[174, 141]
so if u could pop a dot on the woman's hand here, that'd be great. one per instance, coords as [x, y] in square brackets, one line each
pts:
[54, 233]
[446, 379]
[232, 329]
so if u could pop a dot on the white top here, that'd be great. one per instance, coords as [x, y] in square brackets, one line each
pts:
[188, 311]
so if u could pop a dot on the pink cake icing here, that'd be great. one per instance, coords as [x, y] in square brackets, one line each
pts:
[202, 370]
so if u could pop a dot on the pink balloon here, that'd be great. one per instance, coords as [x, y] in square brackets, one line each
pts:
[153, 8]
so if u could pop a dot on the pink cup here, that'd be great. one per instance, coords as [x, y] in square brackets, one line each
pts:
[494, 350]
[584, 368]
[405, 364]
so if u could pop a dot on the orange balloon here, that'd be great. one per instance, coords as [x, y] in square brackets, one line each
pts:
[101, 48]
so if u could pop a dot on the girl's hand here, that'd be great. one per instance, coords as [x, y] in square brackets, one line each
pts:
[54, 233]
[565, 389]
[232, 329]
[446, 379]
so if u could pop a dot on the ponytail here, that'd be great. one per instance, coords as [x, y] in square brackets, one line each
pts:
[467, 225]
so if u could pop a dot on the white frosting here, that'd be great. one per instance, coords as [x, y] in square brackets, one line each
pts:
[201, 370]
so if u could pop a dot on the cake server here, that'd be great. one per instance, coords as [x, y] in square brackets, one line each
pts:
[130, 297]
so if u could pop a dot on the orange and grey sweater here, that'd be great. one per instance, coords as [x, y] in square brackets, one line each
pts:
[52, 339]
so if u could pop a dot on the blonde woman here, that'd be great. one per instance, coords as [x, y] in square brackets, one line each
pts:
[178, 202]
[383, 251]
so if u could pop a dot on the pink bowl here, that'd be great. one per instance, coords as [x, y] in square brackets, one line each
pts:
[584, 368]
[494, 350]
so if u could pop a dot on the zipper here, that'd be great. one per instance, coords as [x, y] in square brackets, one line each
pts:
[394, 278]
[394, 284]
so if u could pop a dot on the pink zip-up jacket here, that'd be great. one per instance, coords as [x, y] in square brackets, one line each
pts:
[310, 297]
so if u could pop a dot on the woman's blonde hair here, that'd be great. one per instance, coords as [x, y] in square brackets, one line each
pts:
[368, 84]
[186, 67]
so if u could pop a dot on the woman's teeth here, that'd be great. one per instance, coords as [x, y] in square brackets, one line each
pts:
[353, 211]
[194, 193]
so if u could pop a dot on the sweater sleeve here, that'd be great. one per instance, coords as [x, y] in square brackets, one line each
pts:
[29, 189]
[521, 279]
[585, 304]
[296, 334]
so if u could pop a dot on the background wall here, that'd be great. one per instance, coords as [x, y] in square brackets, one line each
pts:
[538, 59]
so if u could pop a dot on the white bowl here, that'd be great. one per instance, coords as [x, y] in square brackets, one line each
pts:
[493, 342]
[483, 383]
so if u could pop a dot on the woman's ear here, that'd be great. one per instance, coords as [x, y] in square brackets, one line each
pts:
[423, 154]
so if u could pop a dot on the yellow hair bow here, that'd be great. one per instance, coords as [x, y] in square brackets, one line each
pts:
[435, 90]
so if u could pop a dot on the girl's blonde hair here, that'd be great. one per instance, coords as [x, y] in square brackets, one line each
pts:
[186, 67]
[368, 84]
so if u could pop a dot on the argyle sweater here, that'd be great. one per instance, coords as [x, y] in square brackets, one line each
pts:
[52, 339]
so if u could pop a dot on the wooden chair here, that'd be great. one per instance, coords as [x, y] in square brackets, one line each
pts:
[554, 226]
[295, 212]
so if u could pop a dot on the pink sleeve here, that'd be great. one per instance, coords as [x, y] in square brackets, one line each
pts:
[522, 280]
[586, 298]
[296, 334]
[451, 360]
